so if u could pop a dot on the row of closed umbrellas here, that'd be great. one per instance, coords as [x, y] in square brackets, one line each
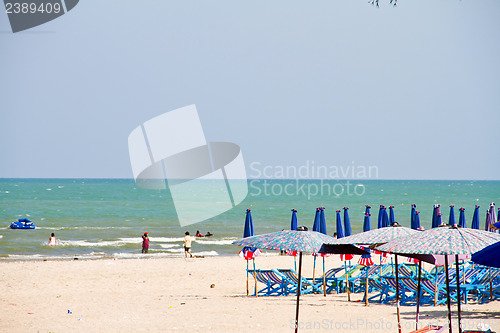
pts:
[423, 245]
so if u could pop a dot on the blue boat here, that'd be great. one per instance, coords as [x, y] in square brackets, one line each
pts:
[22, 224]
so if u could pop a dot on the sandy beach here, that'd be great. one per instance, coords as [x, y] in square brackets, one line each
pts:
[175, 295]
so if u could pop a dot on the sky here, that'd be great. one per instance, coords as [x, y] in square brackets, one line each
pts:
[412, 90]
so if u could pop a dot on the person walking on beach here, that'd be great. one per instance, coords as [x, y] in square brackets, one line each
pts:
[52, 240]
[187, 244]
[145, 243]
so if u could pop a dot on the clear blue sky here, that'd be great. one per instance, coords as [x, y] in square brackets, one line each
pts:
[413, 90]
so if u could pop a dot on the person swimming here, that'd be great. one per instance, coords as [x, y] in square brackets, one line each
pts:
[52, 240]
[208, 234]
[198, 234]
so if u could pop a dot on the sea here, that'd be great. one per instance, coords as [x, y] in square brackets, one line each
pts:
[105, 218]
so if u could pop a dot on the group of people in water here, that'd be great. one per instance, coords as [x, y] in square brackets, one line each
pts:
[186, 242]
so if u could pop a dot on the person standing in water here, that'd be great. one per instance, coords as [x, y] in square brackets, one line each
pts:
[187, 244]
[52, 240]
[145, 243]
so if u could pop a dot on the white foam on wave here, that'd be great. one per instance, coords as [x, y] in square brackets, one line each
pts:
[223, 241]
[166, 239]
[85, 243]
[167, 246]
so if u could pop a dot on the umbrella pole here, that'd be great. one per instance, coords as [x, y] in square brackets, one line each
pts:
[458, 294]
[418, 290]
[397, 292]
[347, 282]
[448, 291]
[324, 278]
[314, 268]
[366, 287]
[491, 284]
[298, 294]
[295, 262]
[247, 277]
[255, 275]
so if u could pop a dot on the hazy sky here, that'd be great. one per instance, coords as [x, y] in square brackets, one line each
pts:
[413, 90]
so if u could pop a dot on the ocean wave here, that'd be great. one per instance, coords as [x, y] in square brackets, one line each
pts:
[85, 243]
[223, 241]
[166, 239]
[167, 246]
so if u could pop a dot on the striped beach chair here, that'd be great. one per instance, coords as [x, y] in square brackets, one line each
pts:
[276, 283]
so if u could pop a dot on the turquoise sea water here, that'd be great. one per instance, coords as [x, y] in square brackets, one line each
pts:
[96, 218]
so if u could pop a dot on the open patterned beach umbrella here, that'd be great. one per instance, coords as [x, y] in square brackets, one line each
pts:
[294, 240]
[347, 222]
[445, 241]
[475, 218]
[412, 216]
[293, 223]
[377, 236]
[451, 220]
[392, 219]
[461, 218]
[489, 256]
[380, 214]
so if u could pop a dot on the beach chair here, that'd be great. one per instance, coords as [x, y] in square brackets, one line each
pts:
[306, 286]
[339, 282]
[437, 289]
[329, 279]
[430, 329]
[276, 283]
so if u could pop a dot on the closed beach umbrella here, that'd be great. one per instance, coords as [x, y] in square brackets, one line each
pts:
[249, 253]
[434, 217]
[412, 217]
[340, 229]
[294, 240]
[366, 223]
[380, 214]
[475, 218]
[347, 222]
[417, 220]
[442, 241]
[293, 224]
[451, 219]
[322, 221]
[385, 218]
[461, 218]
[488, 221]
[493, 212]
[439, 220]
[493, 217]
[392, 219]
[367, 210]
[366, 259]
[316, 226]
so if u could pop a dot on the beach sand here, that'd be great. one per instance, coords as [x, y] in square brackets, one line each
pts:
[175, 295]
